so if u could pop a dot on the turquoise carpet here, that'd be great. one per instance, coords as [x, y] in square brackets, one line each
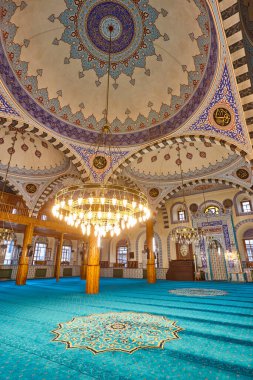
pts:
[216, 343]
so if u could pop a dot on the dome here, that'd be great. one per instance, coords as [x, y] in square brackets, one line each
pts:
[55, 56]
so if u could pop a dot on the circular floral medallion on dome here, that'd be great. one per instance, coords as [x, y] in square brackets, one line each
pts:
[154, 192]
[198, 292]
[89, 26]
[99, 162]
[126, 331]
[110, 18]
[31, 188]
[242, 173]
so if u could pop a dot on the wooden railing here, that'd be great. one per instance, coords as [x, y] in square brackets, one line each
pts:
[12, 209]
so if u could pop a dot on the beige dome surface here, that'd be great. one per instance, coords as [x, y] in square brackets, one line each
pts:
[31, 155]
[58, 52]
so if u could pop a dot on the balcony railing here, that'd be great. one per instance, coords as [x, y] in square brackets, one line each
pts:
[12, 209]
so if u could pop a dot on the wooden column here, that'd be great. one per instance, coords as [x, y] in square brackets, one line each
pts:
[57, 268]
[24, 259]
[83, 268]
[93, 267]
[151, 272]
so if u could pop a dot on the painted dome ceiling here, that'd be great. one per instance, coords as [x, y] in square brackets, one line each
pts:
[55, 56]
[31, 156]
[194, 158]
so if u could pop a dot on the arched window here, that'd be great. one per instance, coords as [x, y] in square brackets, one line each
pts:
[40, 250]
[213, 210]
[9, 251]
[181, 215]
[66, 252]
[122, 252]
[248, 243]
[246, 205]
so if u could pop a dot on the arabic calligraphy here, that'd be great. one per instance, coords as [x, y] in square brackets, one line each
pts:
[100, 162]
[242, 173]
[222, 116]
[154, 192]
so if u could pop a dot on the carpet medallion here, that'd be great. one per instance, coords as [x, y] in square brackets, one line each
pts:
[126, 331]
[215, 342]
[196, 292]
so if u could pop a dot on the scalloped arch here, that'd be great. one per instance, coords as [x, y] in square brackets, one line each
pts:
[201, 181]
[47, 191]
[56, 142]
[181, 139]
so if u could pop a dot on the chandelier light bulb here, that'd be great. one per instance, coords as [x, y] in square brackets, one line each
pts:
[109, 209]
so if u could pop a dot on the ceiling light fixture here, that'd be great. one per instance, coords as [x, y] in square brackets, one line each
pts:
[185, 235]
[108, 208]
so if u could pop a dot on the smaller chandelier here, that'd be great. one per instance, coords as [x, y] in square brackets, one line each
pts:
[109, 209]
[187, 235]
[6, 235]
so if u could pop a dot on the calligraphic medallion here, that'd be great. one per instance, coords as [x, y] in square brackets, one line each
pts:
[31, 188]
[154, 192]
[222, 116]
[99, 162]
[242, 173]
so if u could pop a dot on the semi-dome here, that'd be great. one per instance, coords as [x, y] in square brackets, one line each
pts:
[31, 155]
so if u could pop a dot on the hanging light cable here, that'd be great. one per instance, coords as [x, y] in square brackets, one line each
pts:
[209, 238]
[108, 208]
[185, 235]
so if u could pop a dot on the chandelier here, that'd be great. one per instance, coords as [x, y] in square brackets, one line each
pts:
[6, 235]
[185, 235]
[108, 208]
[102, 208]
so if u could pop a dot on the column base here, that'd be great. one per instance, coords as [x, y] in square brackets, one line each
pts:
[22, 274]
[83, 272]
[92, 279]
[151, 273]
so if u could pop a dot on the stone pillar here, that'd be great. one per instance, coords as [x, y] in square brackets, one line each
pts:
[57, 268]
[93, 267]
[151, 272]
[23, 264]
[83, 268]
